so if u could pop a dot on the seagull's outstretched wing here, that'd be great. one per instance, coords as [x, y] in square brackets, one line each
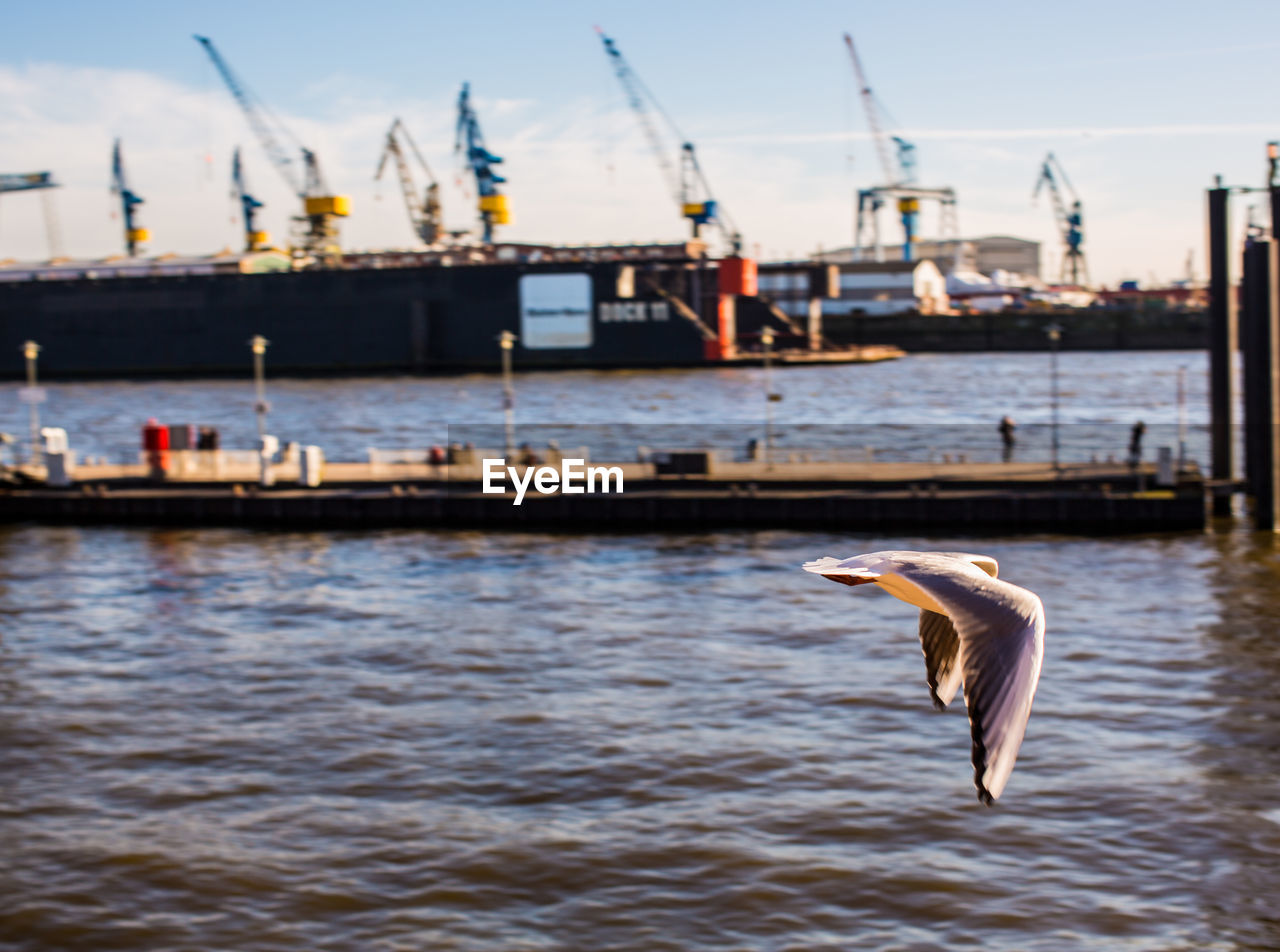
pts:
[1000, 628]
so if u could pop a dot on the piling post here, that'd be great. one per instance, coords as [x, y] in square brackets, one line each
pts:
[1223, 342]
[1267, 391]
[1254, 281]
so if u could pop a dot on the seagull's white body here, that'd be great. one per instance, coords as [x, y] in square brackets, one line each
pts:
[976, 630]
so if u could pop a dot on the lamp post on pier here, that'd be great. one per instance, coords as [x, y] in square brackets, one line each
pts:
[32, 395]
[1055, 335]
[507, 341]
[1182, 417]
[770, 398]
[258, 345]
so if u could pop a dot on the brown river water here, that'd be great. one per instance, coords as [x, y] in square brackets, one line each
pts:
[405, 740]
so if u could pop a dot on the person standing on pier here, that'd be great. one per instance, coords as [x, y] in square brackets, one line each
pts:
[1007, 426]
[1135, 444]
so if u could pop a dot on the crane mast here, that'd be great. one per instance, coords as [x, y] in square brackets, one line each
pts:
[1069, 218]
[134, 235]
[318, 238]
[870, 107]
[638, 98]
[492, 204]
[424, 214]
[254, 239]
[687, 183]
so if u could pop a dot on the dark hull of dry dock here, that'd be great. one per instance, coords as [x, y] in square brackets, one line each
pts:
[1084, 329]
[669, 509]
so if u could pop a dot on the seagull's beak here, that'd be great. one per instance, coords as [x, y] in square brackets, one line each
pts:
[850, 579]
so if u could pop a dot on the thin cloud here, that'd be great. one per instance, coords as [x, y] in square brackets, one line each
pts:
[1099, 132]
[1161, 55]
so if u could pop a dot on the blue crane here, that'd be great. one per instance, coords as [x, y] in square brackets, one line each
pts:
[320, 208]
[1070, 219]
[900, 170]
[134, 235]
[254, 239]
[492, 203]
[898, 165]
[687, 184]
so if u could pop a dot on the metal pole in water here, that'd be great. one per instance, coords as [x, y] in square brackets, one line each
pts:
[1223, 342]
[506, 341]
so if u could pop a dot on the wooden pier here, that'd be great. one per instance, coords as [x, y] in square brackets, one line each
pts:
[847, 497]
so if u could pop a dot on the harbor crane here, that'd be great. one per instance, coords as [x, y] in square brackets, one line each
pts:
[321, 209]
[134, 234]
[898, 166]
[254, 239]
[424, 213]
[43, 183]
[685, 179]
[492, 203]
[1069, 218]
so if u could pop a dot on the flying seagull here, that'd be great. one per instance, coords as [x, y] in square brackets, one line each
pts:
[976, 630]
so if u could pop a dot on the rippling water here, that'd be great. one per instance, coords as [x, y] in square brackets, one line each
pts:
[225, 739]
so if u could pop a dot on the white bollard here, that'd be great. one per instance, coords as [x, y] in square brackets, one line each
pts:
[1165, 475]
[58, 459]
[310, 464]
[268, 446]
[55, 439]
[58, 468]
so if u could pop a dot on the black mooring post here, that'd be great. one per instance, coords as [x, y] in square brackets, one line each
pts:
[1254, 279]
[1257, 320]
[1222, 346]
[1267, 494]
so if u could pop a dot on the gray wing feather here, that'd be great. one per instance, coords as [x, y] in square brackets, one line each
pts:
[941, 646]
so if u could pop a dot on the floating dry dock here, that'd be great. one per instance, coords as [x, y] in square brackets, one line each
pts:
[867, 497]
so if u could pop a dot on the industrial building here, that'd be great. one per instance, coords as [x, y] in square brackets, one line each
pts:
[869, 287]
[985, 255]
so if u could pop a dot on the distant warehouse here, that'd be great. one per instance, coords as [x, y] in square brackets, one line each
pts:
[991, 253]
[161, 266]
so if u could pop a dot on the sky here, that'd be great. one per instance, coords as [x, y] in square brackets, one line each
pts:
[1143, 103]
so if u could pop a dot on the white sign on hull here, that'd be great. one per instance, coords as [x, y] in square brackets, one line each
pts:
[555, 311]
